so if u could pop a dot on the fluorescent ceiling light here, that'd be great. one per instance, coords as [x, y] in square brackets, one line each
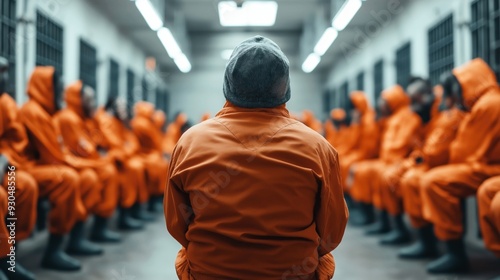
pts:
[311, 62]
[252, 13]
[169, 43]
[149, 14]
[183, 63]
[326, 41]
[345, 14]
[226, 54]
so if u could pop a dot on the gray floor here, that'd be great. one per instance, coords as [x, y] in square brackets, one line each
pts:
[150, 255]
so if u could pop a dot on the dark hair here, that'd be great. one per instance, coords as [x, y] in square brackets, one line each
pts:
[448, 81]
[426, 83]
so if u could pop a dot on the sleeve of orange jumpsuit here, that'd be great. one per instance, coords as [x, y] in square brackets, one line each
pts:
[404, 142]
[45, 135]
[73, 139]
[177, 206]
[331, 211]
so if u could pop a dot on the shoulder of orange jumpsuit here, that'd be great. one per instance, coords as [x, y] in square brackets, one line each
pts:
[41, 88]
[476, 79]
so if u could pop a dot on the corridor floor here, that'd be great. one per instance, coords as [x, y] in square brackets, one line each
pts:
[150, 255]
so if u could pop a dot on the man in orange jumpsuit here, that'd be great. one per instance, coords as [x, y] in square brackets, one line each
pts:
[19, 188]
[488, 198]
[151, 152]
[397, 142]
[73, 194]
[174, 133]
[261, 193]
[474, 157]
[71, 122]
[122, 146]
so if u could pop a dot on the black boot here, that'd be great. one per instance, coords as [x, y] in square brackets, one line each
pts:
[101, 233]
[20, 272]
[155, 204]
[381, 226]
[454, 261]
[126, 222]
[139, 213]
[363, 215]
[80, 246]
[399, 233]
[425, 247]
[55, 258]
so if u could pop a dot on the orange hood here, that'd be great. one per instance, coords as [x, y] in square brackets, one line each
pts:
[182, 119]
[396, 98]
[358, 99]
[159, 119]
[144, 109]
[476, 78]
[73, 97]
[41, 88]
[338, 114]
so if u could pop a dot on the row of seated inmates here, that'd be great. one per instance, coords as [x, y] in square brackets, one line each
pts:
[420, 153]
[86, 162]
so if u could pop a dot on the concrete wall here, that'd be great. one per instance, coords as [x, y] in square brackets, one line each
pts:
[79, 20]
[412, 24]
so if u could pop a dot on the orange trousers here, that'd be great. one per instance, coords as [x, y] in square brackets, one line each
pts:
[388, 185]
[488, 198]
[324, 271]
[61, 185]
[132, 183]
[156, 173]
[4, 233]
[363, 187]
[90, 190]
[442, 189]
[109, 186]
[412, 198]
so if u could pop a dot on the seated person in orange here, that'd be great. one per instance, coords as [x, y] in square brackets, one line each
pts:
[73, 194]
[441, 131]
[19, 185]
[397, 142]
[474, 157]
[174, 133]
[234, 197]
[119, 143]
[150, 150]
[71, 123]
[488, 198]
[310, 120]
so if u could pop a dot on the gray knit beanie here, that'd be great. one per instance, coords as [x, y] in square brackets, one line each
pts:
[257, 75]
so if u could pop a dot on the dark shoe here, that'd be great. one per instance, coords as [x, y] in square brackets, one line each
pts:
[20, 273]
[101, 233]
[454, 261]
[140, 214]
[126, 222]
[55, 258]
[155, 204]
[363, 215]
[399, 234]
[381, 226]
[424, 248]
[80, 246]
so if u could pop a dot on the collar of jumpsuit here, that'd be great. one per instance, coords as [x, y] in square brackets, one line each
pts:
[476, 79]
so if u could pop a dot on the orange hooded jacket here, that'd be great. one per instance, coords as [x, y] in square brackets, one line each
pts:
[478, 137]
[219, 183]
[401, 126]
[368, 136]
[145, 129]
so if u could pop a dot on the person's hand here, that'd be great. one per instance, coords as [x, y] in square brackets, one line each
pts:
[4, 162]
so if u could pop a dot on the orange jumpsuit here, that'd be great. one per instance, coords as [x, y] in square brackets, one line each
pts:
[396, 144]
[367, 138]
[174, 133]
[205, 117]
[12, 139]
[71, 193]
[123, 147]
[150, 147]
[219, 184]
[310, 120]
[474, 154]
[77, 139]
[488, 198]
[434, 153]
